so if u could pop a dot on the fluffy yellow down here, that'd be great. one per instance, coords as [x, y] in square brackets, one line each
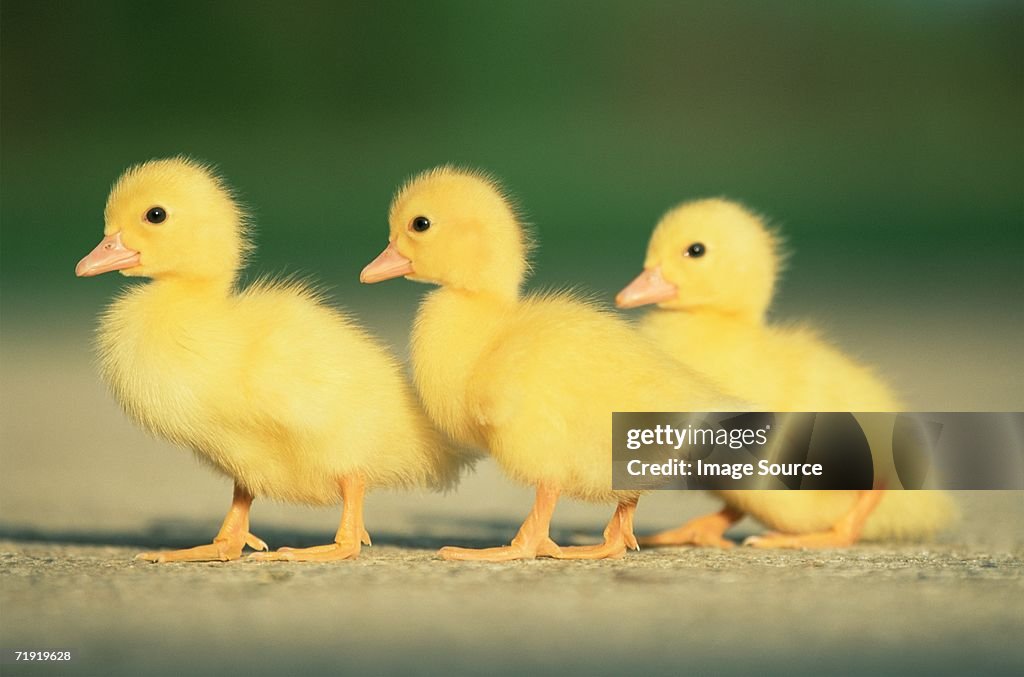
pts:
[534, 379]
[269, 385]
[716, 324]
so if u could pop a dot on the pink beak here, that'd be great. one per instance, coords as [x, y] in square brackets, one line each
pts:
[110, 254]
[386, 266]
[648, 287]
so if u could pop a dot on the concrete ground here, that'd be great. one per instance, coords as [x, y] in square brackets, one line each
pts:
[82, 491]
[950, 607]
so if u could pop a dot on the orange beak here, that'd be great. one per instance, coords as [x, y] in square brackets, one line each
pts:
[110, 254]
[648, 287]
[386, 266]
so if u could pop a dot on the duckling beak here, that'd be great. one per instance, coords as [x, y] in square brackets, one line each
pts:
[648, 287]
[110, 254]
[386, 266]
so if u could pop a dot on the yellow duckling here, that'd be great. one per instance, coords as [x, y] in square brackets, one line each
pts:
[711, 268]
[285, 395]
[532, 379]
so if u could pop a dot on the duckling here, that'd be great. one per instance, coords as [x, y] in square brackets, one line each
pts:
[711, 268]
[285, 395]
[531, 379]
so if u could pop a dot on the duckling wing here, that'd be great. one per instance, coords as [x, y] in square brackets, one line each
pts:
[563, 362]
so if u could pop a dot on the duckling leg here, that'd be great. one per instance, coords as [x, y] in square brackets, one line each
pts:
[531, 542]
[230, 540]
[705, 531]
[843, 534]
[618, 536]
[351, 534]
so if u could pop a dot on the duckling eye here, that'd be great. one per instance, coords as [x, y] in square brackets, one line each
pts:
[156, 215]
[696, 250]
[420, 224]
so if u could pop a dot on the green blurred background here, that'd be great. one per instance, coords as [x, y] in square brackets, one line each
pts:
[884, 137]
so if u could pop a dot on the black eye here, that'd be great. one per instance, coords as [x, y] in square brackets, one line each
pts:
[695, 250]
[156, 215]
[420, 224]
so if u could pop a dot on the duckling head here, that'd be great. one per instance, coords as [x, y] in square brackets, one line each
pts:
[708, 255]
[455, 228]
[171, 218]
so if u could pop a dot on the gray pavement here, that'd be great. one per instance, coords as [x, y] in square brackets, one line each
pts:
[82, 490]
[951, 607]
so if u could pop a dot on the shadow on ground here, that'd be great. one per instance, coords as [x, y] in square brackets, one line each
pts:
[170, 534]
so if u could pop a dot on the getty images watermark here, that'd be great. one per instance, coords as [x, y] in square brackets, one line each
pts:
[838, 450]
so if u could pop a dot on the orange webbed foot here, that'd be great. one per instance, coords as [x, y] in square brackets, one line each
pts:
[602, 551]
[331, 552]
[618, 537]
[688, 534]
[520, 549]
[531, 542]
[824, 539]
[348, 542]
[221, 550]
[706, 531]
[843, 534]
